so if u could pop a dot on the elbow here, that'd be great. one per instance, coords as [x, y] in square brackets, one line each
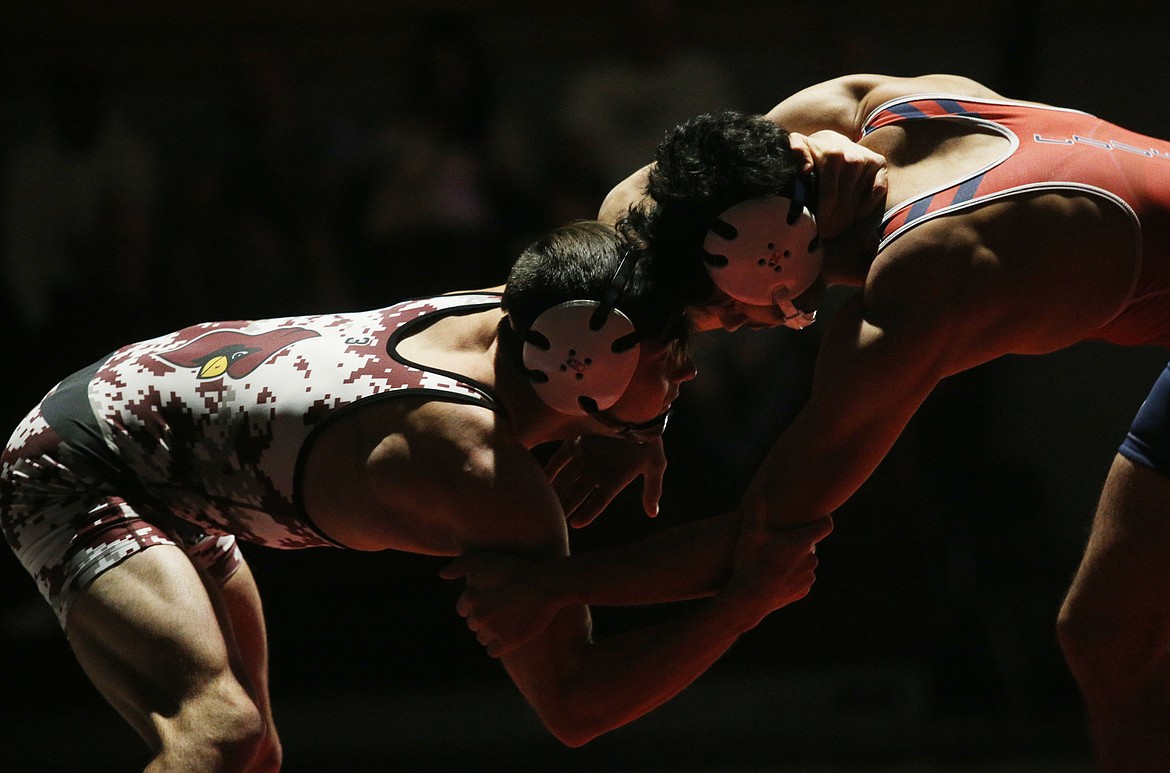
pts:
[573, 728]
[575, 718]
[571, 737]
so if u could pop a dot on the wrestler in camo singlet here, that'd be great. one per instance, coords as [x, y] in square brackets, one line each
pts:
[196, 438]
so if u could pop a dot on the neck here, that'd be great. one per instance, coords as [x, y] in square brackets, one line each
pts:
[849, 256]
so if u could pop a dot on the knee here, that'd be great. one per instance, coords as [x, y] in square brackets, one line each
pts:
[1106, 651]
[222, 729]
[1086, 630]
[246, 740]
[269, 755]
[1078, 633]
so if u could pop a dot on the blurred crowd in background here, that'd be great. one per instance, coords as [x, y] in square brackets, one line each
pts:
[160, 168]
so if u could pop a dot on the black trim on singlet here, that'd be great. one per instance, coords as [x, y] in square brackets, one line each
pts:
[405, 328]
[486, 399]
[69, 413]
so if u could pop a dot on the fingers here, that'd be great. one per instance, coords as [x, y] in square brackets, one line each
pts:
[651, 494]
[652, 486]
[584, 501]
[594, 506]
[799, 143]
[460, 567]
[587, 495]
[498, 649]
[852, 180]
[478, 625]
[582, 517]
[877, 193]
[564, 454]
[573, 496]
[495, 642]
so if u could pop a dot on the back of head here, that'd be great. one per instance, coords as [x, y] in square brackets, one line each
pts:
[581, 299]
[703, 167]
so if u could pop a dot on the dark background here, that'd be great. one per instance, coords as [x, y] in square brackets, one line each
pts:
[246, 159]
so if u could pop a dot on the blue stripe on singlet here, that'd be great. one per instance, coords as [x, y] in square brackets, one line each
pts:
[919, 209]
[966, 191]
[908, 111]
[954, 108]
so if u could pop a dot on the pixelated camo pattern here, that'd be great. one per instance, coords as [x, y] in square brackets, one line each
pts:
[68, 527]
[212, 419]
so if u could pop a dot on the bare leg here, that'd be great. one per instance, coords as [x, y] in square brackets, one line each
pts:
[149, 636]
[241, 601]
[1115, 623]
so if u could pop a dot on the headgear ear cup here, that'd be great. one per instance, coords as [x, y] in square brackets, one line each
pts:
[575, 362]
[582, 354]
[764, 250]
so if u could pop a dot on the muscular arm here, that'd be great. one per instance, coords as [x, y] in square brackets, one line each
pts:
[840, 105]
[922, 316]
[488, 493]
[583, 688]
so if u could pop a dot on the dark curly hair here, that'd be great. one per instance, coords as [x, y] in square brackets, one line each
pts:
[702, 167]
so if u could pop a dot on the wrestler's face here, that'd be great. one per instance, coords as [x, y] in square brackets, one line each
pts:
[727, 313]
[723, 311]
[662, 369]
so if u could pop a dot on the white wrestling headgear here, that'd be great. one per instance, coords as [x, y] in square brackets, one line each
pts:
[766, 251]
[581, 354]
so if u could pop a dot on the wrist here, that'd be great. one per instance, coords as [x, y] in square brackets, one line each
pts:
[744, 604]
[560, 581]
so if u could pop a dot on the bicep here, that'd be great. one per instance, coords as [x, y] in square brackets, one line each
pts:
[508, 505]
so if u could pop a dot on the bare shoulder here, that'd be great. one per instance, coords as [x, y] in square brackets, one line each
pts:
[843, 103]
[459, 470]
[628, 193]
[833, 104]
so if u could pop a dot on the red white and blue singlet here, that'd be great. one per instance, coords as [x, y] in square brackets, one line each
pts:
[1057, 150]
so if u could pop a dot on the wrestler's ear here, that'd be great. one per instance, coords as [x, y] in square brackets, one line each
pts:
[800, 147]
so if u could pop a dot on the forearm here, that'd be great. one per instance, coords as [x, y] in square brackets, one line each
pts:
[601, 686]
[684, 562]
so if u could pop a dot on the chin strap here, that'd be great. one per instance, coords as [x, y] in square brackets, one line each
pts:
[641, 432]
[794, 317]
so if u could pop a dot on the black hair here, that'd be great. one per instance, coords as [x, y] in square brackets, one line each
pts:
[702, 167]
[578, 261]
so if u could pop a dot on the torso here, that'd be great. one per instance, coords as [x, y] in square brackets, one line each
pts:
[1076, 209]
[218, 421]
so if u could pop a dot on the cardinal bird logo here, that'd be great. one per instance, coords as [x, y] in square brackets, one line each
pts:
[232, 352]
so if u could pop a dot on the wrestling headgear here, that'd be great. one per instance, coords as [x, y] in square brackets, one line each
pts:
[581, 354]
[766, 251]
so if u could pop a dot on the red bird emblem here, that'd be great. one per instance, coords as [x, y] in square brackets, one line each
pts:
[232, 352]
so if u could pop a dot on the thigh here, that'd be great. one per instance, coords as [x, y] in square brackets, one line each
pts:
[153, 640]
